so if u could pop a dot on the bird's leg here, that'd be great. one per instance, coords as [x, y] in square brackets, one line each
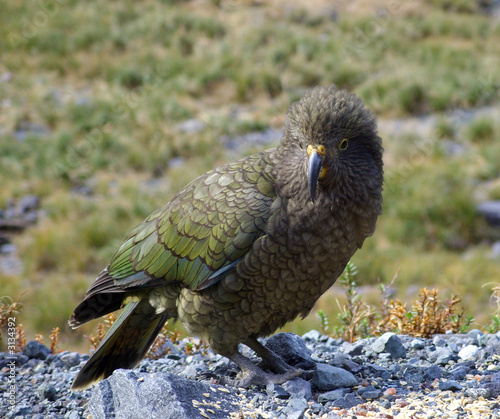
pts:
[269, 358]
[252, 374]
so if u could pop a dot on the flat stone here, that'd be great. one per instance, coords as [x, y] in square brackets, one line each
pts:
[369, 393]
[451, 385]
[333, 395]
[348, 401]
[127, 394]
[326, 377]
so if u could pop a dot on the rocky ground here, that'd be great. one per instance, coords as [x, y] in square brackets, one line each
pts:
[448, 376]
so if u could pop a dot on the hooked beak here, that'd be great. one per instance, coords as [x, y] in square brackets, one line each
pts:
[314, 170]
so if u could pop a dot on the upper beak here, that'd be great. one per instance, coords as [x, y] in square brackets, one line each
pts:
[313, 173]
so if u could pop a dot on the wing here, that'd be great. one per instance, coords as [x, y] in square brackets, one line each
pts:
[203, 232]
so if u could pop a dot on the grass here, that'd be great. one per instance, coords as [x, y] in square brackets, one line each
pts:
[105, 85]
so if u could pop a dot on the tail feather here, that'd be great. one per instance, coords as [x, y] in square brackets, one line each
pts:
[125, 344]
[102, 297]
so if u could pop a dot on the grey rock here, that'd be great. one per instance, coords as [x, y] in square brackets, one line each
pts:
[469, 352]
[449, 385]
[417, 344]
[438, 341]
[191, 371]
[458, 373]
[352, 349]
[432, 373]
[296, 408]
[128, 394]
[312, 335]
[348, 401]
[369, 393]
[490, 210]
[490, 340]
[379, 371]
[475, 393]
[441, 356]
[476, 334]
[292, 349]
[21, 410]
[47, 391]
[19, 359]
[70, 359]
[333, 395]
[34, 349]
[298, 388]
[276, 391]
[494, 385]
[386, 404]
[326, 378]
[413, 374]
[390, 343]
[342, 360]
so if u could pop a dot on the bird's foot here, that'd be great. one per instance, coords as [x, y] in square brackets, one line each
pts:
[251, 374]
[258, 377]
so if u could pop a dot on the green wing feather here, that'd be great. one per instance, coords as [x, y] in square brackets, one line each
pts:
[201, 234]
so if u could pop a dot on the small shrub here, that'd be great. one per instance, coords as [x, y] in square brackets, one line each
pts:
[427, 316]
[8, 308]
[355, 316]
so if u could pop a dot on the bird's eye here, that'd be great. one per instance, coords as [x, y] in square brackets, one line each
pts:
[343, 144]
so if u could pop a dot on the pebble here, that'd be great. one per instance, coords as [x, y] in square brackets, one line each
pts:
[326, 377]
[436, 378]
[469, 352]
[390, 343]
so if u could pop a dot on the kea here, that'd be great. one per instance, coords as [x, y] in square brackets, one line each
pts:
[247, 247]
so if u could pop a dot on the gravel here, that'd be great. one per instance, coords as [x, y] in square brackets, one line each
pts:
[448, 376]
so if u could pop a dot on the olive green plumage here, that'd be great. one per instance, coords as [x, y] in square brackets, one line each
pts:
[247, 247]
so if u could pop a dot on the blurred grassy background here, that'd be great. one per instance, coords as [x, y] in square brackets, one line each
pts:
[94, 95]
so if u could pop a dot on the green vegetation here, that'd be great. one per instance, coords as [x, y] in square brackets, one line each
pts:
[92, 94]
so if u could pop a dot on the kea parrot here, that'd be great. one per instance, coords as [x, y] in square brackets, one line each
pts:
[247, 247]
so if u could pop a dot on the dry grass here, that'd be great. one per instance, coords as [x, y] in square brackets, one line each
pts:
[428, 314]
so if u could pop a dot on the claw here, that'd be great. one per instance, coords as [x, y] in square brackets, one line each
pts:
[250, 378]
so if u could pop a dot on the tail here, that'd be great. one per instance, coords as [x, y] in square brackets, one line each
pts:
[125, 344]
